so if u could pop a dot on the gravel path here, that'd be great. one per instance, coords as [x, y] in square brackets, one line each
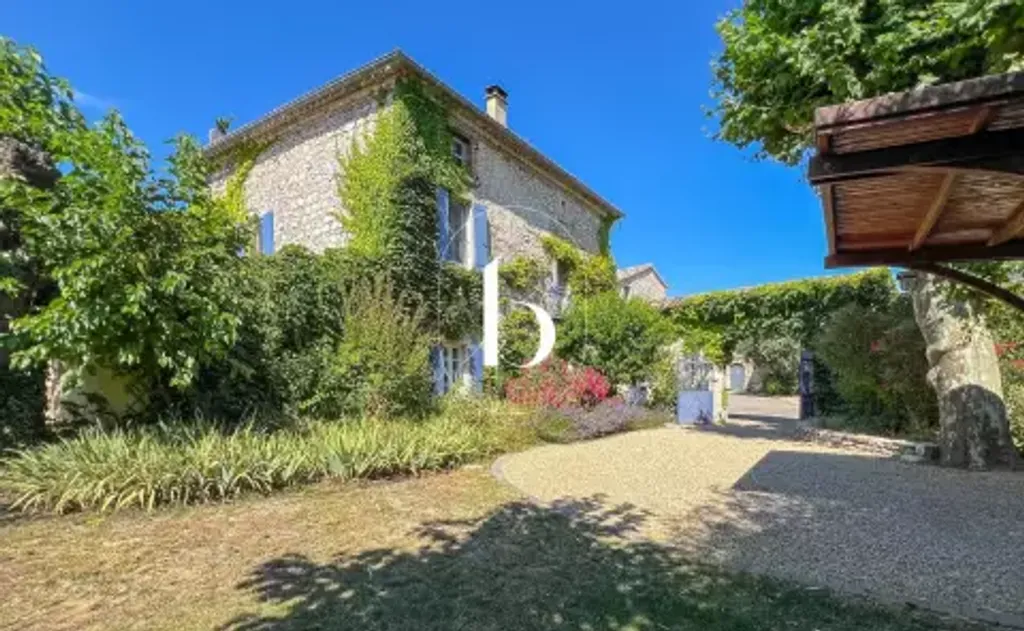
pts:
[751, 498]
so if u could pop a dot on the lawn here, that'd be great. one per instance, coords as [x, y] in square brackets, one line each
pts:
[444, 551]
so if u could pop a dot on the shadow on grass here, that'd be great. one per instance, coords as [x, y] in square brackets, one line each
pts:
[573, 565]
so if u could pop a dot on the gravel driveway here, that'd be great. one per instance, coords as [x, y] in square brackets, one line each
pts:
[751, 498]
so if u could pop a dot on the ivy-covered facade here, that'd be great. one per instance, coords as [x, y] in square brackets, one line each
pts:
[328, 159]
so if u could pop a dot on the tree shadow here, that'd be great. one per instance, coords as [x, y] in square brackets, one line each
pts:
[574, 564]
[946, 540]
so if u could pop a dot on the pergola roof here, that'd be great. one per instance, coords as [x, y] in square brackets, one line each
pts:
[926, 176]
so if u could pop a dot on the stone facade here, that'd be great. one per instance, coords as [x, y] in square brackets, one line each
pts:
[296, 176]
[297, 179]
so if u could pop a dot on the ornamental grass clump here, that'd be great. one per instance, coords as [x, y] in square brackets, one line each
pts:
[151, 467]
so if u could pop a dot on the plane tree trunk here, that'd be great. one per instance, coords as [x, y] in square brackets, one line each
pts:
[964, 372]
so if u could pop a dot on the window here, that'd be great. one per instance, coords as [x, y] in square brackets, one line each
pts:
[625, 292]
[560, 274]
[460, 150]
[265, 238]
[455, 367]
[458, 231]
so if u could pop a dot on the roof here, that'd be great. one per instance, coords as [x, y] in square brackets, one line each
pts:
[627, 274]
[377, 73]
[929, 175]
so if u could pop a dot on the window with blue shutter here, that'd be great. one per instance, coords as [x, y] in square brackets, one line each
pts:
[481, 237]
[266, 235]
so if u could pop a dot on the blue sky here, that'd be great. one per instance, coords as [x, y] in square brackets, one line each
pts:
[611, 92]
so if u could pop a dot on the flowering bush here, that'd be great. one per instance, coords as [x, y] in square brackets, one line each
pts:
[556, 384]
[611, 416]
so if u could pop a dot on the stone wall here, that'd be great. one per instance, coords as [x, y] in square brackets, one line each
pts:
[645, 285]
[296, 178]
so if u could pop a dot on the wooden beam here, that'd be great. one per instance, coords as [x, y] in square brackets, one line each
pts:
[903, 257]
[1011, 228]
[931, 217]
[829, 196]
[982, 119]
[975, 282]
[823, 141]
[1000, 151]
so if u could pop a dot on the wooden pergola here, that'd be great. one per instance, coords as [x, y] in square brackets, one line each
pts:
[925, 177]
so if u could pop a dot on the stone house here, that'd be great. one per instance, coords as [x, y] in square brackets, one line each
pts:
[642, 281]
[518, 195]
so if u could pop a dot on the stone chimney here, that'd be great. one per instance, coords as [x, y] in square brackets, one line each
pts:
[215, 134]
[497, 104]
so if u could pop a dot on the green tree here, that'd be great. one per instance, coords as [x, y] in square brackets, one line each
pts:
[782, 60]
[138, 260]
[620, 338]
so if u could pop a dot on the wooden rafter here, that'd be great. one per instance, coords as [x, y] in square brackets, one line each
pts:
[934, 211]
[1011, 228]
[1000, 151]
[901, 256]
[830, 217]
[982, 118]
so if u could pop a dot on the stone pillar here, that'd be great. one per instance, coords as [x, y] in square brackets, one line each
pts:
[964, 371]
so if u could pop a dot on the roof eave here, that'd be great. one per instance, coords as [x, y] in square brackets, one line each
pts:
[380, 70]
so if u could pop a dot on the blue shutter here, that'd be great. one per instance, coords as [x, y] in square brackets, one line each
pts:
[267, 233]
[437, 362]
[442, 223]
[476, 364]
[481, 237]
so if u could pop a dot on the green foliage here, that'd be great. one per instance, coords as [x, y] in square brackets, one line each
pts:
[189, 464]
[593, 275]
[604, 236]
[290, 307]
[618, 337]
[777, 360]
[138, 261]
[588, 275]
[795, 309]
[35, 107]
[381, 368]
[522, 274]
[877, 361]
[389, 193]
[781, 60]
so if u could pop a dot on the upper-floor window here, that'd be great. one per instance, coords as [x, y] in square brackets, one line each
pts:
[458, 231]
[460, 150]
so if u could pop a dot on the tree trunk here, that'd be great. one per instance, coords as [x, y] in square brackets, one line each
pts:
[964, 372]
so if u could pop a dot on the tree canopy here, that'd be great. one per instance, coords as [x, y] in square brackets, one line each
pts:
[784, 58]
[136, 261]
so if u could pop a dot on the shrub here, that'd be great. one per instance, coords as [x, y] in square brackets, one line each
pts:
[877, 362]
[178, 464]
[618, 337]
[290, 308]
[556, 384]
[381, 368]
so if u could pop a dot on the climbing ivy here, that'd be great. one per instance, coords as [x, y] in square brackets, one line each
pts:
[589, 274]
[604, 236]
[522, 274]
[388, 193]
[796, 309]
